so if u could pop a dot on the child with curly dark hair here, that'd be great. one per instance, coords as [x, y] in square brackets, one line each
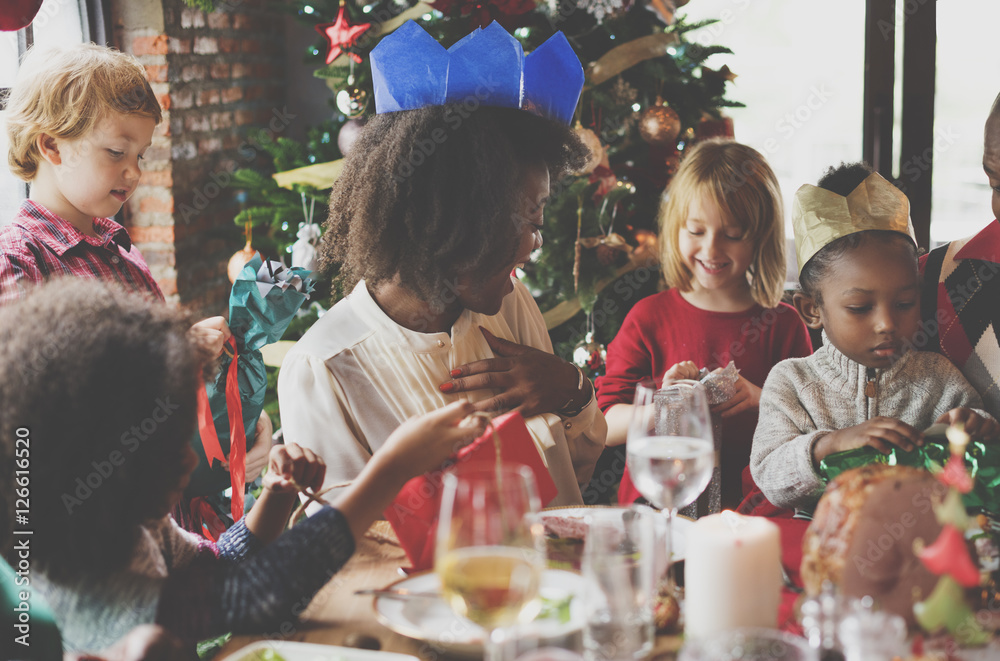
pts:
[103, 383]
[437, 204]
[866, 386]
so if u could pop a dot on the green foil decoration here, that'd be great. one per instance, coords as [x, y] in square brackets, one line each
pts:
[982, 460]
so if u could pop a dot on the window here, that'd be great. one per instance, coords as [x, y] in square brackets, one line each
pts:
[801, 75]
[57, 22]
[965, 89]
[800, 68]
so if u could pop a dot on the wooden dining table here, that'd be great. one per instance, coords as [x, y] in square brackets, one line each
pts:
[337, 616]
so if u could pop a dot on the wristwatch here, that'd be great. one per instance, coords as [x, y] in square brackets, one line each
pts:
[567, 412]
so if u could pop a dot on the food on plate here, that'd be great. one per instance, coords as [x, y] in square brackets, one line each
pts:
[266, 654]
[564, 538]
[666, 610]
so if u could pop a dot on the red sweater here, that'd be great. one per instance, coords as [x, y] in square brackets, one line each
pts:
[664, 329]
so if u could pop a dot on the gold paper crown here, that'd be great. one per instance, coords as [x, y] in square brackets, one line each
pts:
[820, 216]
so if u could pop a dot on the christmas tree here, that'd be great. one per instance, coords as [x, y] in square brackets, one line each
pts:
[648, 95]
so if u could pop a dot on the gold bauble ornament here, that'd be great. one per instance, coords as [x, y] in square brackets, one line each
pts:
[647, 253]
[241, 257]
[239, 260]
[660, 125]
[593, 144]
[352, 100]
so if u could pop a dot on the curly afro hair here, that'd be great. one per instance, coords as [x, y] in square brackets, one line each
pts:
[103, 383]
[427, 194]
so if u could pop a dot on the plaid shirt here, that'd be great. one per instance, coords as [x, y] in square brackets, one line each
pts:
[38, 245]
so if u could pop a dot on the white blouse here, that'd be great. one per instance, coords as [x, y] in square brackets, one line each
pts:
[356, 375]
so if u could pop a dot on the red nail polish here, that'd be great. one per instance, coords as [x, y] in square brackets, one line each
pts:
[455, 373]
[447, 387]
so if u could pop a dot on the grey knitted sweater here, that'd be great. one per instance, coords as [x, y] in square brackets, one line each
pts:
[805, 398]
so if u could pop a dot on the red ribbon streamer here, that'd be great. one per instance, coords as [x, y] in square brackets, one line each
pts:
[237, 435]
[206, 428]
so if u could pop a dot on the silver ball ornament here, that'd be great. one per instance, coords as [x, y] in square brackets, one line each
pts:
[589, 354]
[348, 135]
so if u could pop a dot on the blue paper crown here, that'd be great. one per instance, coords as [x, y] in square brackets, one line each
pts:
[411, 70]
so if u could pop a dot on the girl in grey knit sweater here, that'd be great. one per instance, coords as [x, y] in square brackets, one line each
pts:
[867, 384]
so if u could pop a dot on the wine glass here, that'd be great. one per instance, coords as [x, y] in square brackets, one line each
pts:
[490, 550]
[669, 448]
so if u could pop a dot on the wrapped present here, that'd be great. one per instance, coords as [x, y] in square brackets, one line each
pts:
[414, 513]
[981, 459]
[720, 384]
[264, 298]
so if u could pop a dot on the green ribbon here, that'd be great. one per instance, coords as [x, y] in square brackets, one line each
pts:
[981, 459]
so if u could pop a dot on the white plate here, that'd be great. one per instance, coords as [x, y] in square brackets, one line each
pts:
[432, 620]
[680, 524]
[290, 651]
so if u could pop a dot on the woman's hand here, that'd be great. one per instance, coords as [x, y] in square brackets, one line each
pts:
[529, 380]
[257, 456]
[291, 467]
[682, 370]
[974, 424]
[881, 433]
[424, 442]
[746, 398]
[212, 333]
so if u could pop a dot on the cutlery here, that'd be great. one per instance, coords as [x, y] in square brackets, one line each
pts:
[787, 580]
[398, 593]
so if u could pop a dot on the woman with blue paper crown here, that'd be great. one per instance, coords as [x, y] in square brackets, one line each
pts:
[438, 202]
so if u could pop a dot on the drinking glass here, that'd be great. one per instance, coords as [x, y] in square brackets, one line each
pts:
[490, 549]
[619, 570]
[669, 447]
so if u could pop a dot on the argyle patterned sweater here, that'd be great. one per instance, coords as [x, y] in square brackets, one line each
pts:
[961, 315]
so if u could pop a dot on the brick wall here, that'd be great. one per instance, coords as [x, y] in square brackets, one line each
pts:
[216, 75]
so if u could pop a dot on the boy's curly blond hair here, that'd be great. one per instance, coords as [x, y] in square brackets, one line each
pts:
[64, 92]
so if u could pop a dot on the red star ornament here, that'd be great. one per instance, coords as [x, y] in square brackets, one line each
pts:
[341, 35]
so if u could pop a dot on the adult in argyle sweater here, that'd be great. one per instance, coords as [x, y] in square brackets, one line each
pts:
[961, 312]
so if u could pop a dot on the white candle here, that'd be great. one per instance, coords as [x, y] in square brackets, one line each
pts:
[732, 574]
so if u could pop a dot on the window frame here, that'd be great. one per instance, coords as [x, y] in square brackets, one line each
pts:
[94, 25]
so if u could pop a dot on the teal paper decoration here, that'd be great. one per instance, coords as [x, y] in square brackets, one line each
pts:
[487, 67]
